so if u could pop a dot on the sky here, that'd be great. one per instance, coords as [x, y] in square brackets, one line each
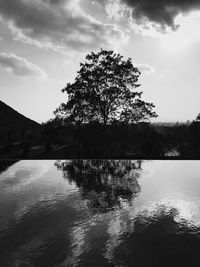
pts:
[42, 43]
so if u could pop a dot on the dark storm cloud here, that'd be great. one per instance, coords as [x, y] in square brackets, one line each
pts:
[58, 24]
[162, 12]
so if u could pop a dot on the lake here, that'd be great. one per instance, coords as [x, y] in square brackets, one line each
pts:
[99, 213]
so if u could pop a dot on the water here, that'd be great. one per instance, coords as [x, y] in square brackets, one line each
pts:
[100, 213]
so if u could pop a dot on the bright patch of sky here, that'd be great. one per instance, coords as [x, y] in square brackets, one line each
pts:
[42, 43]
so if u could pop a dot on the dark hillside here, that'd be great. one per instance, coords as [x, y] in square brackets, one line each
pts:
[17, 133]
[10, 119]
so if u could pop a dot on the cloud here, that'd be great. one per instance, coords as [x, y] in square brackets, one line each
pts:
[160, 12]
[145, 68]
[116, 11]
[20, 66]
[57, 24]
[159, 15]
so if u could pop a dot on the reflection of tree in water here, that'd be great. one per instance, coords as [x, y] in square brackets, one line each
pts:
[103, 183]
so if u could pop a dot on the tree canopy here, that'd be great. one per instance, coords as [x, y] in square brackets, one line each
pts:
[105, 91]
[198, 118]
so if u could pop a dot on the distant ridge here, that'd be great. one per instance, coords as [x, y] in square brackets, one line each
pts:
[10, 119]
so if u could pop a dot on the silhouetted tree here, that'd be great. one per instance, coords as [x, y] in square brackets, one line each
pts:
[104, 91]
[198, 118]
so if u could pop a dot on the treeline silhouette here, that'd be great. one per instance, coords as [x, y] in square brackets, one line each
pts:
[94, 140]
[142, 140]
[21, 143]
[139, 141]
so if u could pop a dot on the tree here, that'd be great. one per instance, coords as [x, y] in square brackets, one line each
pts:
[104, 91]
[198, 118]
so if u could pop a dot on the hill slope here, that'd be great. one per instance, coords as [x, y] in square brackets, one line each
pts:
[11, 119]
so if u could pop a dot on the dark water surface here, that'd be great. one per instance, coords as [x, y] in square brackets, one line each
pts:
[100, 213]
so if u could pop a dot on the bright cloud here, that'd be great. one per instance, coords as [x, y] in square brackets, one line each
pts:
[115, 10]
[20, 66]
